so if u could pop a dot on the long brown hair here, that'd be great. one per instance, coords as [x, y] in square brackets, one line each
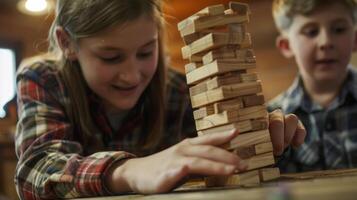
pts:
[85, 18]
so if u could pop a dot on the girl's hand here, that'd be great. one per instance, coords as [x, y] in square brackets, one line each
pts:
[162, 171]
[285, 130]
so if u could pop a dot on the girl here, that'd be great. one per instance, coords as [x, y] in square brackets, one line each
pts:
[102, 115]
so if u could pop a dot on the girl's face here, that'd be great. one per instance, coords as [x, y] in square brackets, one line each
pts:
[119, 62]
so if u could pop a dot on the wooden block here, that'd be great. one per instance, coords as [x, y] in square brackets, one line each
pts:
[203, 112]
[192, 66]
[198, 24]
[230, 78]
[242, 126]
[221, 80]
[248, 139]
[196, 58]
[247, 42]
[261, 160]
[237, 103]
[245, 178]
[188, 39]
[227, 57]
[221, 53]
[198, 89]
[233, 104]
[211, 41]
[208, 11]
[230, 116]
[225, 93]
[248, 152]
[215, 68]
[263, 148]
[187, 22]
[239, 8]
[212, 10]
[245, 152]
[253, 100]
[267, 174]
[260, 124]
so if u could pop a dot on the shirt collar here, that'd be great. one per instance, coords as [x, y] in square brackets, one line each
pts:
[297, 97]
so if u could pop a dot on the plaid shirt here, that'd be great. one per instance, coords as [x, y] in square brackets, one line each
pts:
[331, 140]
[53, 163]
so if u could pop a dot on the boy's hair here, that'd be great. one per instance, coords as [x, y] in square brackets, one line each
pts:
[285, 10]
[85, 18]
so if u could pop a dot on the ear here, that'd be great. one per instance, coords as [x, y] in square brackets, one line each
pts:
[65, 43]
[283, 44]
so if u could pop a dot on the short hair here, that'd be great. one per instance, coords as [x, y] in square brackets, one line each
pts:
[285, 10]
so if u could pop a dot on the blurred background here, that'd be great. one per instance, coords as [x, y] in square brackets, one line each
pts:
[23, 31]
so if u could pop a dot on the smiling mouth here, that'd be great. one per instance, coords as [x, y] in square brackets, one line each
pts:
[326, 61]
[124, 88]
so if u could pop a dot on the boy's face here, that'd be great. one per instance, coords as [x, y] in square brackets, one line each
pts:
[321, 43]
[119, 63]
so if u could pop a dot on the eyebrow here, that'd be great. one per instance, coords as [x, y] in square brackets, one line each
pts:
[113, 48]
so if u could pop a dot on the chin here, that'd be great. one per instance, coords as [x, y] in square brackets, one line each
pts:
[124, 105]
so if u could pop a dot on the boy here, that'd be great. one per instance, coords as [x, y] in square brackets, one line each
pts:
[320, 35]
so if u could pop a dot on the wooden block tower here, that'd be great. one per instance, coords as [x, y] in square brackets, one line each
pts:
[225, 94]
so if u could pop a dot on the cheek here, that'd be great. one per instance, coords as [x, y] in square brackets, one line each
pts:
[150, 67]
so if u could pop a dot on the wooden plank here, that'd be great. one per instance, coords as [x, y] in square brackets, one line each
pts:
[248, 152]
[268, 174]
[232, 104]
[263, 148]
[198, 89]
[208, 11]
[230, 116]
[203, 112]
[198, 24]
[239, 8]
[222, 80]
[225, 93]
[230, 55]
[215, 68]
[230, 78]
[246, 178]
[248, 139]
[260, 124]
[261, 160]
[211, 41]
[192, 66]
[253, 100]
[242, 126]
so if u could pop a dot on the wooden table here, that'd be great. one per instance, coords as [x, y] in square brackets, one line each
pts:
[321, 185]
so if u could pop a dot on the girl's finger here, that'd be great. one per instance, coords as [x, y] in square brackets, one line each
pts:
[214, 139]
[215, 154]
[201, 166]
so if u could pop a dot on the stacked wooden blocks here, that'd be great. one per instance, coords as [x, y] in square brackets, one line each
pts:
[224, 92]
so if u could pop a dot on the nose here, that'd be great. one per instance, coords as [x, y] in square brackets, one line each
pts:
[325, 40]
[130, 73]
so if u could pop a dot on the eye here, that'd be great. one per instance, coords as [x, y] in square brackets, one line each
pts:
[310, 32]
[113, 59]
[144, 55]
[339, 29]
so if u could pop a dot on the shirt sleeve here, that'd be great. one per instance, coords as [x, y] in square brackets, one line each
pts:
[51, 164]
